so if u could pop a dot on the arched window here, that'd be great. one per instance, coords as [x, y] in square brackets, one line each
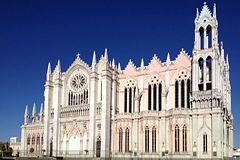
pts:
[209, 36]
[160, 97]
[38, 140]
[120, 139]
[184, 138]
[201, 33]
[28, 140]
[33, 139]
[154, 139]
[176, 94]
[125, 100]
[127, 140]
[188, 92]
[146, 139]
[205, 143]
[182, 94]
[154, 97]
[149, 97]
[176, 138]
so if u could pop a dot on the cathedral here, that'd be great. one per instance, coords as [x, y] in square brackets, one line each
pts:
[179, 108]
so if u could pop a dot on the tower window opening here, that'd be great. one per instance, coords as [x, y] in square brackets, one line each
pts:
[201, 33]
[209, 36]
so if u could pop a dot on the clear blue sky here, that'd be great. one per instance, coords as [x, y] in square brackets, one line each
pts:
[33, 32]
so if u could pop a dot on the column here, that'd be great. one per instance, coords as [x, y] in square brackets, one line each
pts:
[92, 113]
[56, 104]
[157, 99]
[105, 115]
[114, 106]
[205, 39]
[47, 106]
[185, 93]
[204, 75]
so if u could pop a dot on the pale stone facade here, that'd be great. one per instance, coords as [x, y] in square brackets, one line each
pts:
[178, 109]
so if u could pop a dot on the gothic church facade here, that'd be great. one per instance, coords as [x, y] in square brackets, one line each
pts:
[178, 109]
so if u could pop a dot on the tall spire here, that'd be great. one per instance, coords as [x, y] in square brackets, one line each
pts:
[214, 11]
[94, 61]
[106, 54]
[49, 71]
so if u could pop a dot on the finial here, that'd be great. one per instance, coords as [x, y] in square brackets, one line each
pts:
[34, 110]
[49, 71]
[142, 64]
[94, 59]
[26, 111]
[106, 54]
[113, 63]
[41, 109]
[227, 60]
[221, 45]
[78, 55]
[204, 3]
[197, 14]
[214, 11]
[119, 67]
[168, 58]
[58, 66]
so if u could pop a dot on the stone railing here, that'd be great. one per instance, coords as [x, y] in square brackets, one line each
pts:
[74, 111]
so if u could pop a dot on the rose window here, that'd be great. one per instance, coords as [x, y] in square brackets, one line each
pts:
[78, 82]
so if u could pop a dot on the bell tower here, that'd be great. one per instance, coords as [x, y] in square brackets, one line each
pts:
[207, 61]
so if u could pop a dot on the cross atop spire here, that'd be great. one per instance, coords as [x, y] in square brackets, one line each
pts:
[78, 55]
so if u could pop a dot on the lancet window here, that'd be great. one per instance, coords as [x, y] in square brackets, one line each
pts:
[155, 94]
[127, 140]
[146, 139]
[129, 96]
[184, 134]
[182, 90]
[177, 139]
